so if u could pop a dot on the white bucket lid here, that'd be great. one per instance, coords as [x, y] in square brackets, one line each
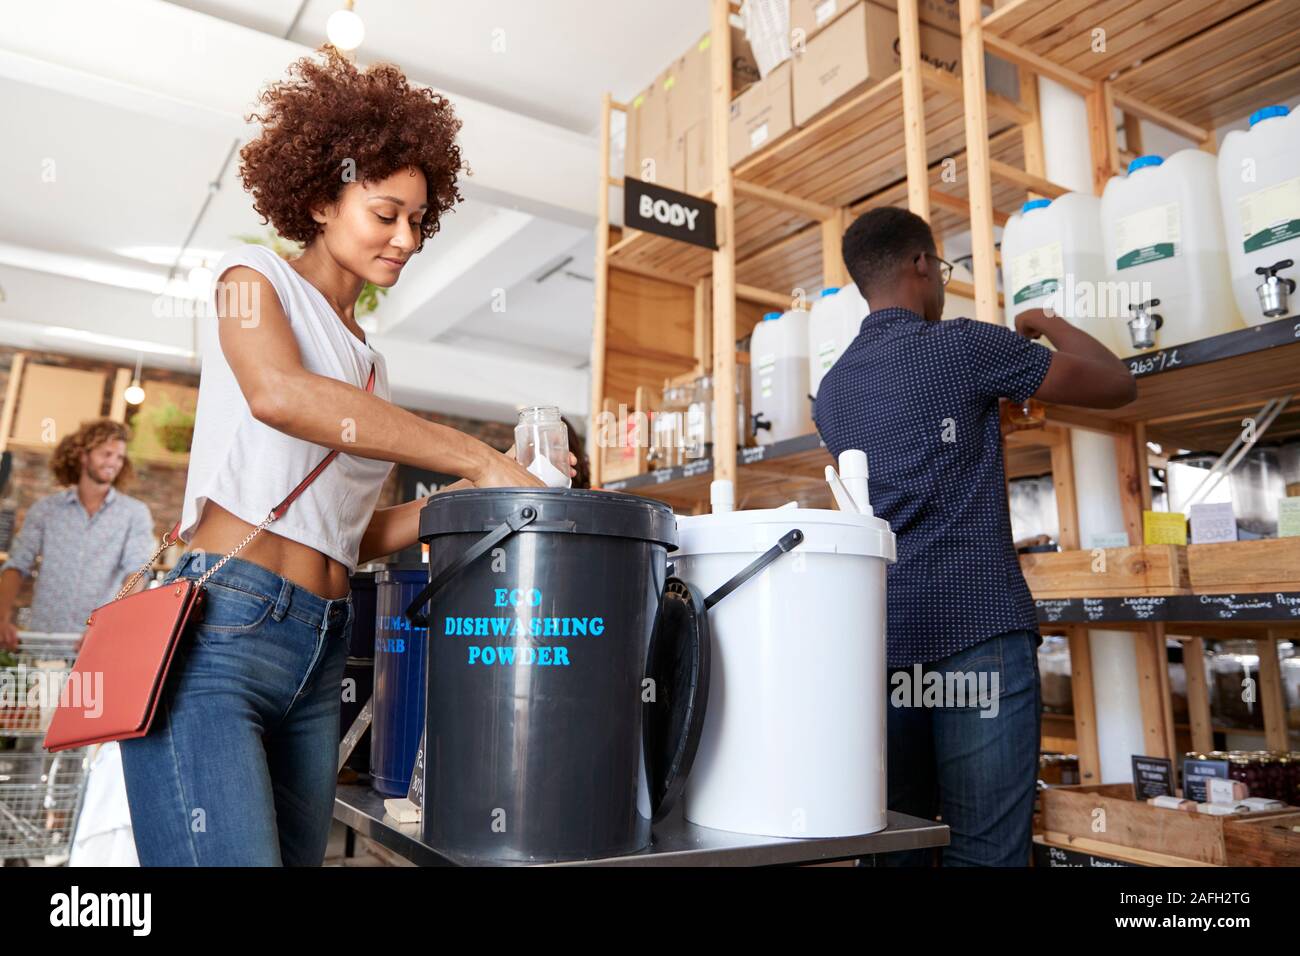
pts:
[753, 532]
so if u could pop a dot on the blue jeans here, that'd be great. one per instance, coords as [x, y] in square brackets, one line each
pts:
[979, 773]
[240, 765]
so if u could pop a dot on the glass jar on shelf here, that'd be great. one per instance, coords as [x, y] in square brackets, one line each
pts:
[1055, 675]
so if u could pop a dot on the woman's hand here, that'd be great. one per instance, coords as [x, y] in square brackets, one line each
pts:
[573, 461]
[502, 471]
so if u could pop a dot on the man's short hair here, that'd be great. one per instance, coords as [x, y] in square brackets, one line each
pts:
[881, 240]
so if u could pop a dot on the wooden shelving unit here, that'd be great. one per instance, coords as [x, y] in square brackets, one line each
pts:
[962, 159]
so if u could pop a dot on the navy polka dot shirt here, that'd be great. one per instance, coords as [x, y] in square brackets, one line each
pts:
[921, 399]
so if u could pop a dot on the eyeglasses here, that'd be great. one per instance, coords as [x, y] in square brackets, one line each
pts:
[945, 268]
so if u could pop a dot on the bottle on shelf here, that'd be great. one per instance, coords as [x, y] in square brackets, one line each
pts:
[778, 355]
[1259, 189]
[1162, 232]
[1052, 259]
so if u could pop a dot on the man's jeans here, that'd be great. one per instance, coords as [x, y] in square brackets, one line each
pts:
[978, 773]
[240, 766]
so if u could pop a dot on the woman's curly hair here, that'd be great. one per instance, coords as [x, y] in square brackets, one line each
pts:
[329, 112]
[65, 463]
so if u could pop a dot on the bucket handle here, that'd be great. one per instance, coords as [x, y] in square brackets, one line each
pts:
[415, 615]
[789, 541]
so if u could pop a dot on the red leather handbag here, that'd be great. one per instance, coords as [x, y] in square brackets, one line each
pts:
[113, 690]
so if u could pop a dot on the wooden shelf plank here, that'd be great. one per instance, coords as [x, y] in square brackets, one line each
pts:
[1183, 391]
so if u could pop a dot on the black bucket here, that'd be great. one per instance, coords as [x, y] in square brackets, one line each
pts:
[544, 602]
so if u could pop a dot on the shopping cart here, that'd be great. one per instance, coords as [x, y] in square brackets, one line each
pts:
[40, 793]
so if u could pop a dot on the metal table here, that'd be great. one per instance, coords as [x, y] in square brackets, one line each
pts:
[675, 842]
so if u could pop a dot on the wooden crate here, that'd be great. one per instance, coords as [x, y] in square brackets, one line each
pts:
[1151, 569]
[1070, 812]
[1269, 564]
[1265, 840]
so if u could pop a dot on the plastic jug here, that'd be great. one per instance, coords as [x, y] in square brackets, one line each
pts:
[1259, 187]
[1166, 258]
[1052, 258]
[778, 363]
[832, 325]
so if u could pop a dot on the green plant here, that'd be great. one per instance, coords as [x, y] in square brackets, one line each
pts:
[173, 426]
[367, 301]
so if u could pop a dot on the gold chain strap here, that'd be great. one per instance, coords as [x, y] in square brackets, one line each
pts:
[134, 579]
[239, 547]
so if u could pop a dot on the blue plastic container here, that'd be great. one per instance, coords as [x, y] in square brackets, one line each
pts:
[398, 708]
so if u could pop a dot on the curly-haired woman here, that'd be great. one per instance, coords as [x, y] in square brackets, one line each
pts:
[240, 765]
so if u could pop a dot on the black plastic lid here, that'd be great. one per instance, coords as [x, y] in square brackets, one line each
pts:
[560, 510]
[678, 663]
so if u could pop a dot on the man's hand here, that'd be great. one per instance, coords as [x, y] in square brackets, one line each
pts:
[1034, 323]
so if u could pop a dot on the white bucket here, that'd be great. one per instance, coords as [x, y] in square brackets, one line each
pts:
[794, 734]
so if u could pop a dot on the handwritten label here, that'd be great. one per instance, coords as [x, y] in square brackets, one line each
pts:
[751, 455]
[697, 468]
[1151, 362]
[1164, 527]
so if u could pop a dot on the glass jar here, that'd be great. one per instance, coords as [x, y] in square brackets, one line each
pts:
[1256, 485]
[1290, 667]
[1288, 459]
[1184, 474]
[699, 418]
[1293, 776]
[1239, 769]
[1055, 675]
[1232, 664]
[1272, 774]
[542, 444]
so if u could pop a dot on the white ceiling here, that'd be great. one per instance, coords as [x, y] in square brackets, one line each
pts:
[118, 115]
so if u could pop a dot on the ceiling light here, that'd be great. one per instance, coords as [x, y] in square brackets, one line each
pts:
[134, 394]
[345, 29]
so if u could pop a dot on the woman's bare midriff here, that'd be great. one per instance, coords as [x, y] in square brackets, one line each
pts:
[219, 531]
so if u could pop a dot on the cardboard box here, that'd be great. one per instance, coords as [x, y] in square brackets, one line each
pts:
[650, 146]
[813, 16]
[761, 114]
[860, 47]
[689, 100]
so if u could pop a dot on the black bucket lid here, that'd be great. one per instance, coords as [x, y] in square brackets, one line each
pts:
[562, 510]
[678, 663]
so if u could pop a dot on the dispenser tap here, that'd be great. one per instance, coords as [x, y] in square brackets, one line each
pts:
[1275, 289]
[760, 422]
[1143, 324]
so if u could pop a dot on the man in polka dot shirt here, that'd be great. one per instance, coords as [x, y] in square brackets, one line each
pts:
[920, 396]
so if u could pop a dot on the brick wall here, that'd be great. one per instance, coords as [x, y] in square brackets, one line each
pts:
[162, 486]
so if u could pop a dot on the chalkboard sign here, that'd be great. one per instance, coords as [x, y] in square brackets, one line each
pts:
[1055, 857]
[1230, 344]
[1263, 607]
[666, 212]
[415, 793]
[1152, 777]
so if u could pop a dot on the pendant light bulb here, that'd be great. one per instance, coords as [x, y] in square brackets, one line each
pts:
[134, 394]
[345, 29]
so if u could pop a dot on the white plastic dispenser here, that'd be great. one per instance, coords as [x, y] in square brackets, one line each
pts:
[1259, 187]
